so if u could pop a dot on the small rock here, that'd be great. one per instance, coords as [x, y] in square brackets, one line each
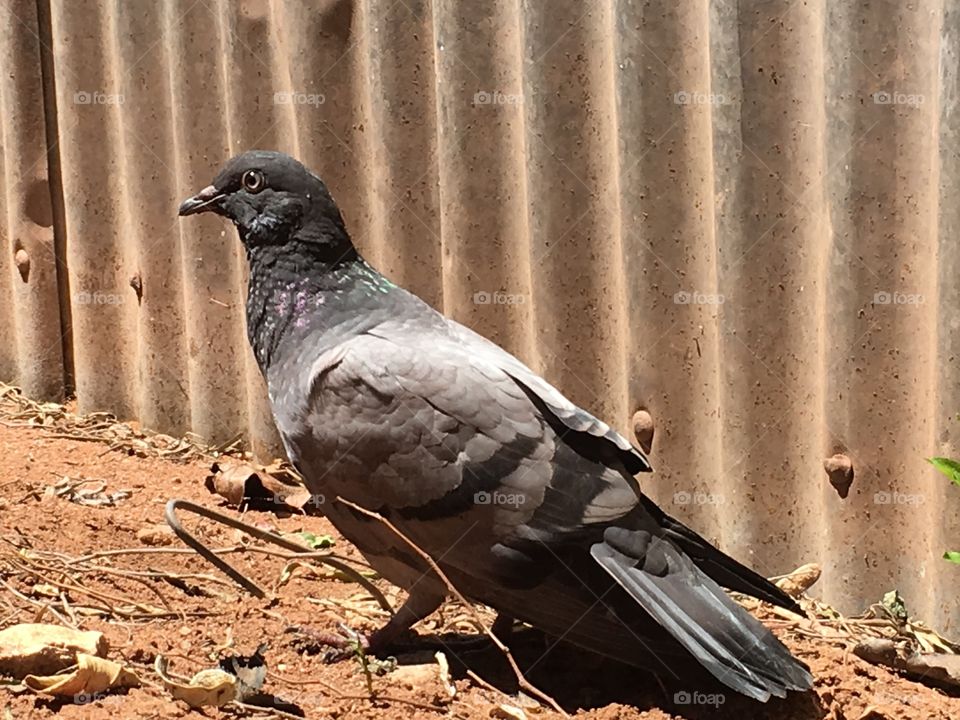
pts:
[38, 649]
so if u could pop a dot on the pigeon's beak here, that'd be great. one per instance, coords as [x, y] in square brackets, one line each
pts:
[201, 202]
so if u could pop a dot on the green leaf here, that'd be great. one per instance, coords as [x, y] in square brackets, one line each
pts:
[950, 468]
[953, 556]
[317, 542]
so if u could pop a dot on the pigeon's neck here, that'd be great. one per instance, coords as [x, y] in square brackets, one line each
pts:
[293, 290]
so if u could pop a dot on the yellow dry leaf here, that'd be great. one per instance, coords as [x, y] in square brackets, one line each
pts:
[92, 675]
[800, 580]
[929, 641]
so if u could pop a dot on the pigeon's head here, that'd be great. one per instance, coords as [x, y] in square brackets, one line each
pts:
[273, 200]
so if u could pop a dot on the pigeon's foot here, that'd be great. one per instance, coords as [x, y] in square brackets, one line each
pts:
[336, 647]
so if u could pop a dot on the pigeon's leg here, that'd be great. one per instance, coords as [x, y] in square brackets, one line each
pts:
[421, 602]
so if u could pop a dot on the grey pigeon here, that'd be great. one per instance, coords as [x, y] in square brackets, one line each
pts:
[525, 501]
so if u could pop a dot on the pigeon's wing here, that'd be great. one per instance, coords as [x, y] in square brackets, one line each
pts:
[429, 428]
[589, 435]
[593, 438]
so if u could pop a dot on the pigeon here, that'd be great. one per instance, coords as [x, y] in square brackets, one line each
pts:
[525, 502]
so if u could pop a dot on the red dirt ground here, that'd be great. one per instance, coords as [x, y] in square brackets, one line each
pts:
[846, 687]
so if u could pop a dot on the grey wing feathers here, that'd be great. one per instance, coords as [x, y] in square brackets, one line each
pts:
[596, 437]
[734, 646]
[466, 421]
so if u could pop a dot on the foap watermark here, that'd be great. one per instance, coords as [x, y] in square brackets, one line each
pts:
[95, 97]
[683, 697]
[82, 297]
[687, 97]
[498, 298]
[85, 698]
[499, 498]
[897, 298]
[697, 298]
[884, 97]
[892, 497]
[299, 98]
[292, 499]
[495, 97]
[697, 498]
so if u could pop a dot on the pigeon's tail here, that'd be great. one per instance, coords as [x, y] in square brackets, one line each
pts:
[730, 643]
[720, 567]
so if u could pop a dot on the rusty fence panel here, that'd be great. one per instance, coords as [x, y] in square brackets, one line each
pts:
[739, 217]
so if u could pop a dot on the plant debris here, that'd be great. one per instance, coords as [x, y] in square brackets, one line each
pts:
[246, 486]
[75, 491]
[91, 677]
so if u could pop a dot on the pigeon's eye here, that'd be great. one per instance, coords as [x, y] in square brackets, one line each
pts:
[253, 181]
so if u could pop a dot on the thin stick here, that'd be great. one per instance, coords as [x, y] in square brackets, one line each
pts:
[521, 680]
[178, 503]
[45, 607]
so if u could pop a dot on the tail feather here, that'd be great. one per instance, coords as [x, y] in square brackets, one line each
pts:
[722, 568]
[730, 643]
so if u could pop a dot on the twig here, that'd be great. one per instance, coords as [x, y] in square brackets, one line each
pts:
[521, 679]
[240, 578]
[45, 607]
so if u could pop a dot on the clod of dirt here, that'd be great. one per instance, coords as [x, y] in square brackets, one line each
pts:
[643, 429]
[415, 676]
[840, 471]
[93, 675]
[38, 649]
[156, 535]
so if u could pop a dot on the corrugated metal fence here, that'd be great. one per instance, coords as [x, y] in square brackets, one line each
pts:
[741, 216]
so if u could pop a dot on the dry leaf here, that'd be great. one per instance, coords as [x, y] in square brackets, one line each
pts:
[937, 668]
[208, 688]
[240, 483]
[38, 649]
[92, 675]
